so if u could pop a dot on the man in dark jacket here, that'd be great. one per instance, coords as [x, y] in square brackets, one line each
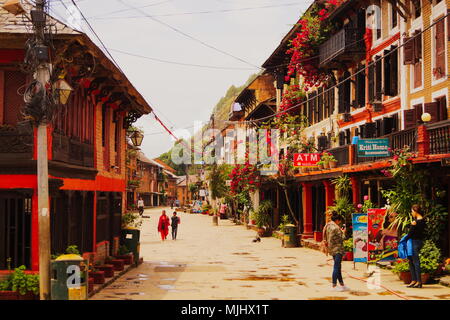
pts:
[175, 223]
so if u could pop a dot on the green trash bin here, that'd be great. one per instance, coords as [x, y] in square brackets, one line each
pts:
[131, 239]
[69, 278]
[290, 239]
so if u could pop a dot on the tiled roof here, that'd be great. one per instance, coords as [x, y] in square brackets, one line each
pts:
[10, 23]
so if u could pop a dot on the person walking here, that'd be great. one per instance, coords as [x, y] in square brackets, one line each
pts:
[141, 206]
[334, 242]
[163, 225]
[175, 222]
[415, 235]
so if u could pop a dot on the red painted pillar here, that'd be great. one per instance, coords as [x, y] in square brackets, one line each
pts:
[307, 211]
[329, 193]
[423, 141]
[355, 190]
[94, 224]
[34, 233]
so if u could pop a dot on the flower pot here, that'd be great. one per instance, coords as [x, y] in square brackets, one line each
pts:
[326, 165]
[108, 269]
[406, 277]
[90, 284]
[119, 264]
[99, 276]
[425, 277]
[253, 222]
[9, 295]
[128, 258]
[261, 232]
[27, 296]
[348, 256]
[320, 166]
[333, 164]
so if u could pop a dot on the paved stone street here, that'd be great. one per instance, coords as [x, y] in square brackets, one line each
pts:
[209, 262]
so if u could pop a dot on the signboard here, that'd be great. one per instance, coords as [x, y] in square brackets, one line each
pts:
[382, 240]
[269, 169]
[360, 237]
[306, 159]
[373, 148]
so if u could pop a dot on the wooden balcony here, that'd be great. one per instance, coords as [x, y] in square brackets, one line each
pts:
[439, 135]
[72, 152]
[16, 143]
[344, 46]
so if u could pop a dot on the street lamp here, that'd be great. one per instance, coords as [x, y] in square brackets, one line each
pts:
[426, 117]
[137, 137]
[63, 90]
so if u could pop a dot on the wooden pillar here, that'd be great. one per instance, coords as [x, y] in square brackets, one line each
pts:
[423, 141]
[355, 190]
[330, 196]
[307, 210]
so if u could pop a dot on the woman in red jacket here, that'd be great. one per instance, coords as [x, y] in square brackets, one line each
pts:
[163, 225]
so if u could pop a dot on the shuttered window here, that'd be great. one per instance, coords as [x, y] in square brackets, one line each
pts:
[433, 109]
[439, 70]
[371, 82]
[443, 113]
[409, 118]
[360, 89]
[378, 78]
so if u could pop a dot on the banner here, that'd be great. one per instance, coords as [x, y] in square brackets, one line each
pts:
[382, 240]
[373, 148]
[360, 237]
[306, 159]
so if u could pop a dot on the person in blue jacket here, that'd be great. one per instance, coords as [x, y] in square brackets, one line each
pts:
[414, 241]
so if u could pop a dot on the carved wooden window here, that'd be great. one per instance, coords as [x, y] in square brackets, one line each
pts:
[12, 102]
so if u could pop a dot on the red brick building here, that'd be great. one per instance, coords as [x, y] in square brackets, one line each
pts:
[86, 148]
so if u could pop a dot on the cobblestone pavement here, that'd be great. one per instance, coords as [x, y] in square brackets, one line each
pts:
[222, 262]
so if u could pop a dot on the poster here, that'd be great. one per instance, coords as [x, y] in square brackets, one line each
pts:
[360, 237]
[383, 241]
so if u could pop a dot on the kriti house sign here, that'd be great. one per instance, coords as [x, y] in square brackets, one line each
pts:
[373, 148]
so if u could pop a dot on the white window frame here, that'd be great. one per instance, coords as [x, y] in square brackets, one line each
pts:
[392, 31]
[437, 11]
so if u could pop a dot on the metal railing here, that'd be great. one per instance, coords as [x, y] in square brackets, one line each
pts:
[439, 134]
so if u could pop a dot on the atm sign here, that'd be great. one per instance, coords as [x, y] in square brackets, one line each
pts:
[306, 159]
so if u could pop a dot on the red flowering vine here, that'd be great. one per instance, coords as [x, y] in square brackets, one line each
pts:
[314, 30]
[244, 178]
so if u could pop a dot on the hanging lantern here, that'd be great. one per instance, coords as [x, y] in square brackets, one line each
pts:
[137, 137]
[63, 90]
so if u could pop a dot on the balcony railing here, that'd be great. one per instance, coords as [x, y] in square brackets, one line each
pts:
[341, 154]
[439, 134]
[397, 140]
[71, 151]
[342, 46]
[16, 143]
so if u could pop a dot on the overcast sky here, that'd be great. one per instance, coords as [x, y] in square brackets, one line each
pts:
[181, 95]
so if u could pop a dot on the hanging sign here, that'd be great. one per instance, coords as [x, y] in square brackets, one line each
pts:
[360, 237]
[306, 159]
[269, 169]
[373, 148]
[382, 239]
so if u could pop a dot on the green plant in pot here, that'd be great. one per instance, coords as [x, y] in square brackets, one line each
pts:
[22, 283]
[348, 248]
[262, 217]
[401, 268]
[430, 259]
[320, 164]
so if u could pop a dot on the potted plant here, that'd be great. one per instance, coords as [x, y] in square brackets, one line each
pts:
[125, 254]
[348, 248]
[401, 267]
[131, 220]
[320, 164]
[430, 258]
[262, 218]
[20, 286]
[98, 276]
